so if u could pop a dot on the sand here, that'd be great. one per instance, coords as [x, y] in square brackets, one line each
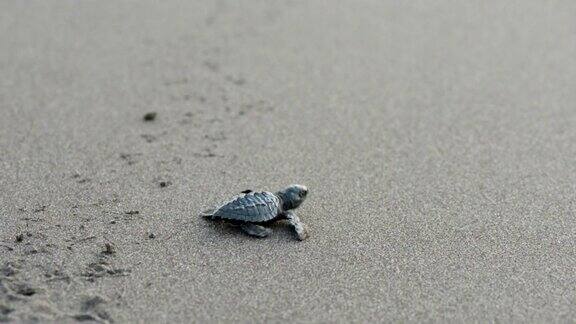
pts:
[437, 138]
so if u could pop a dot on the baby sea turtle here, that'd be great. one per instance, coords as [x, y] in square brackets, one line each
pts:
[250, 210]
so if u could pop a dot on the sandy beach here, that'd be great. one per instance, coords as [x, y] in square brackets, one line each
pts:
[437, 138]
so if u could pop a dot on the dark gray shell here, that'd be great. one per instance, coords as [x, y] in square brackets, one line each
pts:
[253, 207]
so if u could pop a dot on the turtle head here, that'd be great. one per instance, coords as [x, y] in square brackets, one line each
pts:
[293, 196]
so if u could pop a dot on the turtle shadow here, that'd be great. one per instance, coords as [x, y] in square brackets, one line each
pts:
[224, 229]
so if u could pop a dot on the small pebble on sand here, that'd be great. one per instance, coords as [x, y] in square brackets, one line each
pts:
[109, 249]
[150, 116]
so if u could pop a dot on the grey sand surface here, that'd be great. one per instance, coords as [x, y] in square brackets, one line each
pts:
[437, 139]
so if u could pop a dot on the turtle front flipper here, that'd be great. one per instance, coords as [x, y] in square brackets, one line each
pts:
[255, 230]
[300, 228]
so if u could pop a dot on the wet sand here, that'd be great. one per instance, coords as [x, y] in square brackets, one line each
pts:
[437, 139]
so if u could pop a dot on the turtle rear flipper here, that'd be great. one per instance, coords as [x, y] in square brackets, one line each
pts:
[208, 213]
[255, 230]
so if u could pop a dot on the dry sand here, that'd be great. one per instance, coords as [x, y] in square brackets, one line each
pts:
[438, 139]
